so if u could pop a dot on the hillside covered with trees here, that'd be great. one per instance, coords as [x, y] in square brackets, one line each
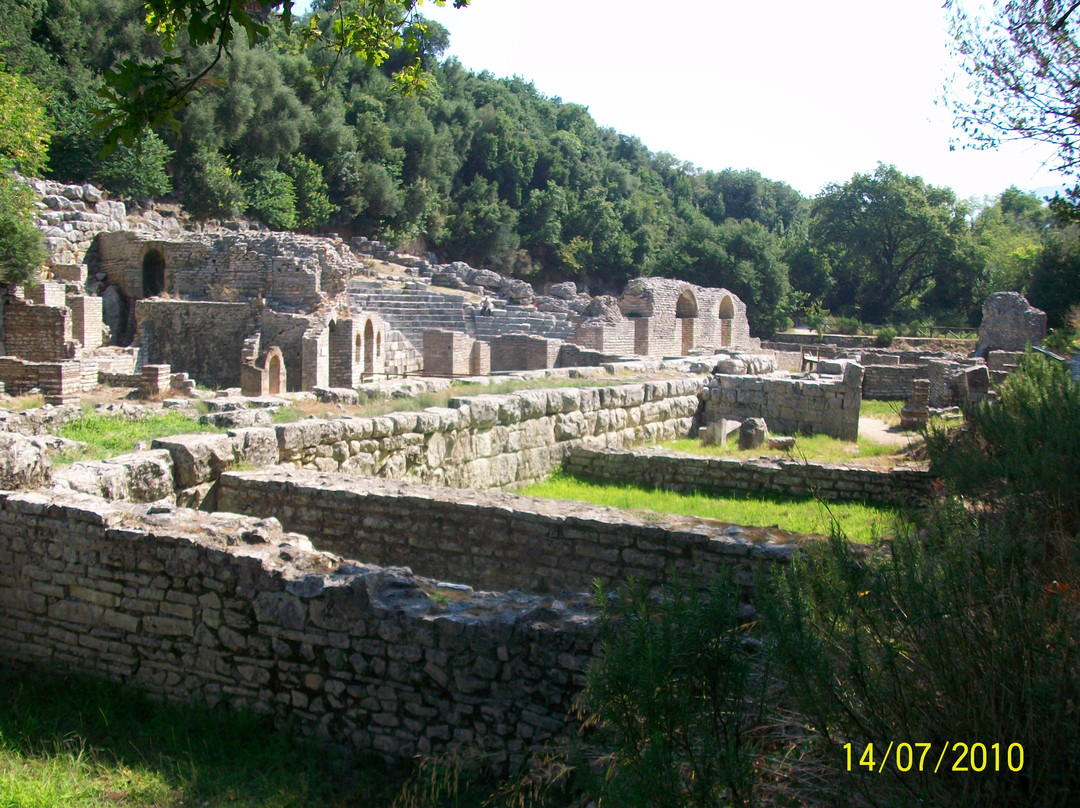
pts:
[492, 172]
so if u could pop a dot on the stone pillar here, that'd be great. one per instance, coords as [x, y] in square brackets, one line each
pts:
[86, 322]
[156, 380]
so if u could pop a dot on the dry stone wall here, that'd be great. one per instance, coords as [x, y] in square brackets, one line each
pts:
[809, 404]
[796, 478]
[493, 540]
[218, 608]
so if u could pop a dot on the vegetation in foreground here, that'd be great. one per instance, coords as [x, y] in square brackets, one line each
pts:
[82, 743]
[862, 522]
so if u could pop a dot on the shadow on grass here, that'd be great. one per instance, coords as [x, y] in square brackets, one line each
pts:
[108, 744]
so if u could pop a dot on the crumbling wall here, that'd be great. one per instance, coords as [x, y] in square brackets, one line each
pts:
[218, 607]
[1009, 323]
[37, 333]
[807, 404]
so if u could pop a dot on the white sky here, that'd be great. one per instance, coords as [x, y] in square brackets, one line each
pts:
[803, 92]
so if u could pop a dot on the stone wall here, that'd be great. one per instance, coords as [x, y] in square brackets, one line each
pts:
[37, 333]
[448, 353]
[60, 382]
[201, 338]
[796, 478]
[492, 540]
[1009, 323]
[891, 382]
[523, 352]
[789, 404]
[218, 608]
[71, 216]
[477, 442]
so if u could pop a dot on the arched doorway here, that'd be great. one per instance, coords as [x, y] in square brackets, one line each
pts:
[273, 375]
[153, 273]
[727, 319]
[686, 312]
[369, 351]
[341, 355]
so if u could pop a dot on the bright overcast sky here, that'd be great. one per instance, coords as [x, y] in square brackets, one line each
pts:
[805, 93]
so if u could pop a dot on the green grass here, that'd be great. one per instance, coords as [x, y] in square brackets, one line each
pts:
[82, 743]
[110, 435]
[860, 522]
[887, 411]
[816, 448]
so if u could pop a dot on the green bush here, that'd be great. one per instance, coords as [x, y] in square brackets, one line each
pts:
[214, 188]
[272, 197]
[945, 637]
[884, 338]
[1018, 458]
[676, 698]
[22, 248]
[846, 325]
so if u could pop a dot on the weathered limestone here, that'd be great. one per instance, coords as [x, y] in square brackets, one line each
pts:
[1009, 323]
[493, 540]
[810, 404]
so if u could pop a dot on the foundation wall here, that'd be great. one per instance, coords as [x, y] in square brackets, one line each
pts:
[809, 405]
[491, 540]
[671, 472]
[208, 608]
[891, 382]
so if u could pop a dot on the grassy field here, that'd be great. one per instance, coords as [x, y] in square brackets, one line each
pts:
[860, 522]
[82, 743]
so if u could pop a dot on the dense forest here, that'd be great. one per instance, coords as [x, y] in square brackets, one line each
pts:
[492, 172]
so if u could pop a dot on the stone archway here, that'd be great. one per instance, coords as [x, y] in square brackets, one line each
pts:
[727, 319]
[273, 375]
[369, 351]
[153, 273]
[340, 347]
[686, 313]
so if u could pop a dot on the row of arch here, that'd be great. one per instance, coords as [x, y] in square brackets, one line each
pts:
[686, 312]
[345, 353]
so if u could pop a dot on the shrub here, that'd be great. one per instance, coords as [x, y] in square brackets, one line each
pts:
[272, 196]
[1018, 458]
[846, 325]
[884, 338]
[676, 697]
[214, 188]
[949, 636]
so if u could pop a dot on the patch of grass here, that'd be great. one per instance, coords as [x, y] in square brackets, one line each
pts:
[816, 448]
[20, 403]
[83, 743]
[110, 435]
[860, 522]
[887, 411]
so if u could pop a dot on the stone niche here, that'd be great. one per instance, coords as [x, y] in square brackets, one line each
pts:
[266, 376]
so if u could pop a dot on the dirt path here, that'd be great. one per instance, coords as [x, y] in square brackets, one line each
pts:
[876, 430]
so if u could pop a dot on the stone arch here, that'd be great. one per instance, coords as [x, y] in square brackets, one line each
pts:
[340, 346]
[275, 374]
[686, 312]
[153, 273]
[727, 319]
[369, 350]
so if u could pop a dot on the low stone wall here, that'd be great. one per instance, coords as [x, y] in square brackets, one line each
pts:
[59, 382]
[789, 404]
[477, 442]
[494, 540]
[796, 478]
[37, 333]
[523, 352]
[215, 608]
[891, 382]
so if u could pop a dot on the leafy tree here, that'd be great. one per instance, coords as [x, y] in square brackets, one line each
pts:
[313, 206]
[213, 188]
[893, 243]
[1008, 236]
[271, 196]
[24, 143]
[141, 95]
[1022, 59]
[1055, 277]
